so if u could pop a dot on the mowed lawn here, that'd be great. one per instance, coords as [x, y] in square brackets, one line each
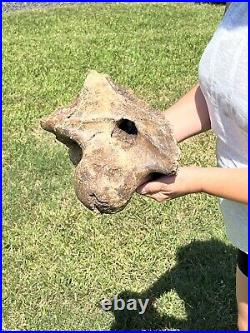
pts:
[59, 259]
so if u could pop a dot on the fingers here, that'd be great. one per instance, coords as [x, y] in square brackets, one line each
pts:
[150, 187]
[159, 197]
[155, 186]
[154, 190]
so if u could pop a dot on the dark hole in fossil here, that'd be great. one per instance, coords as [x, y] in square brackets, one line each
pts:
[155, 175]
[127, 126]
[152, 176]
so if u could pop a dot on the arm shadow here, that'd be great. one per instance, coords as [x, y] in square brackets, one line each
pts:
[204, 279]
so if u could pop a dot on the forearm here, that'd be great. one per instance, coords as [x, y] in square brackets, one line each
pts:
[228, 183]
[189, 116]
[221, 182]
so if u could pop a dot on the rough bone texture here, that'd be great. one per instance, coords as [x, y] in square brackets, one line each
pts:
[115, 141]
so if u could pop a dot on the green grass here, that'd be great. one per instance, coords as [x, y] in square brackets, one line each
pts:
[60, 260]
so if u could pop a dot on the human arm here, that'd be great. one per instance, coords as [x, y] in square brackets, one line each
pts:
[189, 115]
[228, 183]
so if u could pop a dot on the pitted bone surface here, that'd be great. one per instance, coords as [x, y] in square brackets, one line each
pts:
[115, 140]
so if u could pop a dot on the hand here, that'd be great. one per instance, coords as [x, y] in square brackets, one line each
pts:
[187, 180]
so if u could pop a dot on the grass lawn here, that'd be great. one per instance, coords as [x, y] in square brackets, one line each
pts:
[59, 259]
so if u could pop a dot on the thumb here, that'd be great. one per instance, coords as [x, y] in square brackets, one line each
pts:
[149, 188]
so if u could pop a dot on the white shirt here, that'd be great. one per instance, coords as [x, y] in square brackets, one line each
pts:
[223, 76]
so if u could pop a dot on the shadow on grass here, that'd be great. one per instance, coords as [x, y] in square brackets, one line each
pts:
[204, 278]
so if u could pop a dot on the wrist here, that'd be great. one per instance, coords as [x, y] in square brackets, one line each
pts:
[201, 178]
[190, 179]
[197, 179]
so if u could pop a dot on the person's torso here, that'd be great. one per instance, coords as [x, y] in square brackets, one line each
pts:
[223, 76]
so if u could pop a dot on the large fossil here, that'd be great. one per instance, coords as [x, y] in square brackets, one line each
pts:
[115, 140]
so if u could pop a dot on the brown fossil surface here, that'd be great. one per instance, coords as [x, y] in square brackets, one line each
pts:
[115, 141]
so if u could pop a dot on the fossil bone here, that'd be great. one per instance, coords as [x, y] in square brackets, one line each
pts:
[115, 140]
